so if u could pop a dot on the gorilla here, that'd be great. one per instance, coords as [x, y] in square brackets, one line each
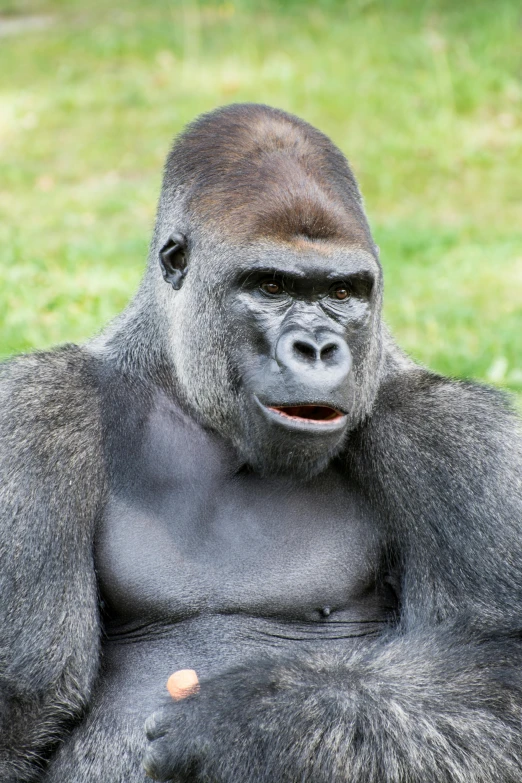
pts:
[243, 475]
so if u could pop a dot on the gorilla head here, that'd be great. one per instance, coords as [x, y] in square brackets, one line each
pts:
[272, 312]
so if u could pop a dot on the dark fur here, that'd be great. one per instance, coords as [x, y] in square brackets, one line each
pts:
[439, 699]
[51, 489]
[439, 706]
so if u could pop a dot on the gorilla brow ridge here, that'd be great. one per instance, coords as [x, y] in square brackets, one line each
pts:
[258, 171]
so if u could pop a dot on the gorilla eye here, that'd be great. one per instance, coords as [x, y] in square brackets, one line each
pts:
[271, 288]
[340, 293]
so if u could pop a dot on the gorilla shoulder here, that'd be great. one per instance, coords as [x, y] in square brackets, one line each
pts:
[51, 450]
[49, 411]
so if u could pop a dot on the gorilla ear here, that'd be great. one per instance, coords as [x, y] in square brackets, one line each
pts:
[173, 260]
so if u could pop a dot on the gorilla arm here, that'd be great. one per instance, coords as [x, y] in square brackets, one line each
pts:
[51, 487]
[438, 700]
[435, 707]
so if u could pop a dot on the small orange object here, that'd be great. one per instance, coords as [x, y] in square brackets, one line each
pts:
[183, 683]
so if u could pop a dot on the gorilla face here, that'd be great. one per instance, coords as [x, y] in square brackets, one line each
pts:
[304, 322]
[288, 364]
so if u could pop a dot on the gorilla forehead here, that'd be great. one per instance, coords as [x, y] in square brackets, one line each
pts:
[256, 172]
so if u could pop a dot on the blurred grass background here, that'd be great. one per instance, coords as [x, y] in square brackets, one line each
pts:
[425, 98]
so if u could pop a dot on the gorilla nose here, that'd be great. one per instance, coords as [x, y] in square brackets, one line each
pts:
[327, 354]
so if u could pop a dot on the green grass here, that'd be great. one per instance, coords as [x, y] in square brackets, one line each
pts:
[425, 98]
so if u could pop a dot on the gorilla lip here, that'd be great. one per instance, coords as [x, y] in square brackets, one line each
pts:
[316, 414]
[305, 418]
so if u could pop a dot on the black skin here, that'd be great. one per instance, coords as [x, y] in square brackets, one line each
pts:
[347, 587]
[295, 321]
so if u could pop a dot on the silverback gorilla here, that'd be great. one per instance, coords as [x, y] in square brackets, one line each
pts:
[245, 476]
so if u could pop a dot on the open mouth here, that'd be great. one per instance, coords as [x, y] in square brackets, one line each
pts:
[316, 414]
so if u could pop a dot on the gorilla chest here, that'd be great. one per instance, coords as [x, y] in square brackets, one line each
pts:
[189, 533]
[245, 545]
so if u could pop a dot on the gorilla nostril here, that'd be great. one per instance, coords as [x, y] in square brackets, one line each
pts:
[328, 351]
[306, 350]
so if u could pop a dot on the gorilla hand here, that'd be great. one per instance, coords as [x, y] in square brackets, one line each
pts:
[227, 731]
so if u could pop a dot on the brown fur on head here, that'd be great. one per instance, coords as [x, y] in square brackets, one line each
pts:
[259, 172]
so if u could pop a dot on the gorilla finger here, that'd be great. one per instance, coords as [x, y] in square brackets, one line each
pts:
[157, 763]
[156, 726]
[161, 762]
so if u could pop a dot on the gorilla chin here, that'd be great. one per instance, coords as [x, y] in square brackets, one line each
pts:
[297, 441]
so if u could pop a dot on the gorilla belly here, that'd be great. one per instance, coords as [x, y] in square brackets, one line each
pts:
[109, 745]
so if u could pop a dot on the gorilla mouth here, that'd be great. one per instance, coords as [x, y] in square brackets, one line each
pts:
[308, 413]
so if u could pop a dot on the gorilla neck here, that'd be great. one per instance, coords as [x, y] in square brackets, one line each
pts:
[135, 342]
